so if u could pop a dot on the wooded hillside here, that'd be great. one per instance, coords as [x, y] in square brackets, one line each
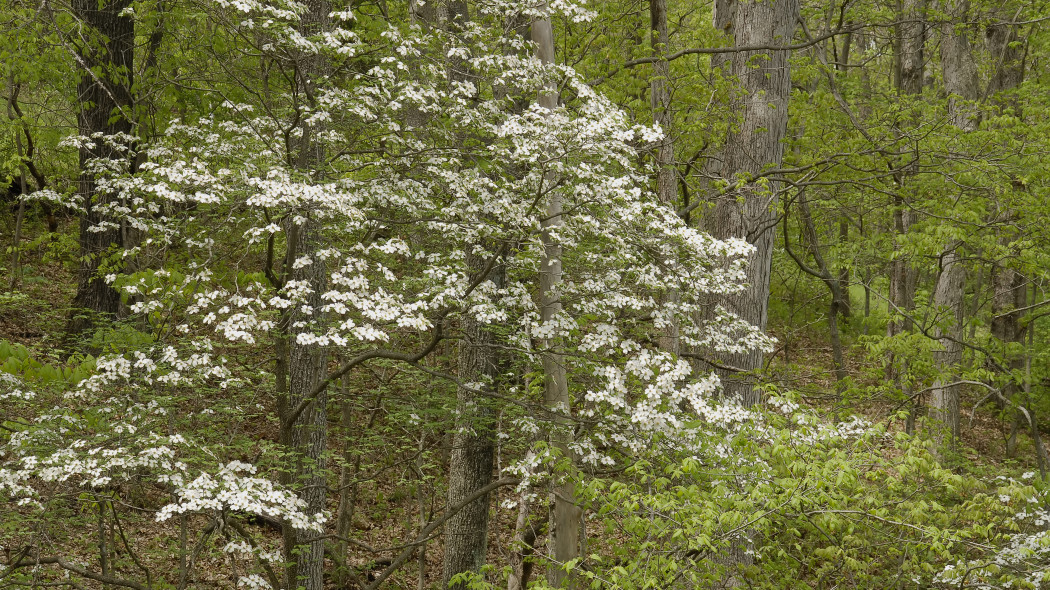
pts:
[367, 294]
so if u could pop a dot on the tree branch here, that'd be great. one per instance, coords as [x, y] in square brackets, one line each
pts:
[76, 569]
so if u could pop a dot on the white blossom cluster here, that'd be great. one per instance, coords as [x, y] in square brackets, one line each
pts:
[234, 488]
[398, 234]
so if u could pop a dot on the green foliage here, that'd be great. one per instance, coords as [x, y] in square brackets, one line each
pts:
[17, 359]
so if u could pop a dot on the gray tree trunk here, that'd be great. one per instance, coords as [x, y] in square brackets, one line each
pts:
[660, 97]
[961, 83]
[949, 299]
[564, 527]
[911, 46]
[1008, 65]
[754, 146]
[910, 55]
[960, 69]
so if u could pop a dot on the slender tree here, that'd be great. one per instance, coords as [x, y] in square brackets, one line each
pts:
[961, 83]
[564, 528]
[304, 418]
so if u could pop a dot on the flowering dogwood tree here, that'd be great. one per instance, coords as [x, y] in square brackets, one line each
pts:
[420, 185]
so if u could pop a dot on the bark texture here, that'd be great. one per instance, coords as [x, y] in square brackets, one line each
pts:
[949, 300]
[753, 147]
[1008, 62]
[666, 180]
[961, 83]
[474, 446]
[105, 55]
[307, 432]
[308, 366]
[1009, 295]
[911, 52]
[1007, 57]
[911, 41]
[473, 453]
[960, 70]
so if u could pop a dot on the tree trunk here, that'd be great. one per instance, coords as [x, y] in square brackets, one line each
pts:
[1009, 295]
[960, 81]
[473, 446]
[308, 365]
[911, 40]
[949, 300]
[104, 91]
[845, 305]
[834, 285]
[666, 183]
[564, 533]
[911, 44]
[960, 70]
[1007, 57]
[1008, 61]
[307, 433]
[754, 146]
[524, 542]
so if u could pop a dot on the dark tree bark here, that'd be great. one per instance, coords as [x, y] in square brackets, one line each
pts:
[822, 272]
[474, 445]
[305, 432]
[754, 146]
[1009, 296]
[308, 432]
[105, 54]
[1008, 61]
[473, 452]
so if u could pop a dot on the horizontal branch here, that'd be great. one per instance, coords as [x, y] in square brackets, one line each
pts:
[76, 569]
[723, 50]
